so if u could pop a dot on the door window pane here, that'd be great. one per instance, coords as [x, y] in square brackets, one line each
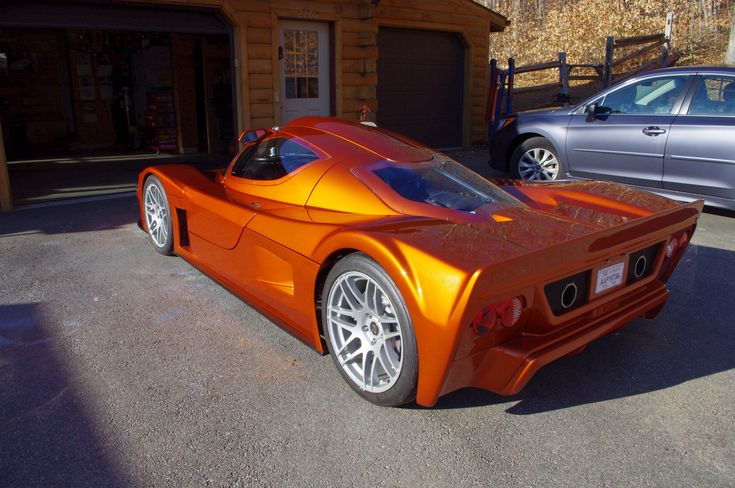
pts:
[715, 95]
[272, 159]
[301, 63]
[647, 97]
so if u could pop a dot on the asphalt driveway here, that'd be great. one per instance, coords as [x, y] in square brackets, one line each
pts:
[122, 367]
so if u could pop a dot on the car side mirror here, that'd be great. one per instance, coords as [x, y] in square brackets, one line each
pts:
[252, 135]
[591, 110]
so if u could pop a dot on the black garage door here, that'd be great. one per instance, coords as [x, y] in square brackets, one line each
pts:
[420, 85]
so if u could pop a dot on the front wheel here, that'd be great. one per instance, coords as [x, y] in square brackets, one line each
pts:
[369, 332]
[536, 159]
[157, 215]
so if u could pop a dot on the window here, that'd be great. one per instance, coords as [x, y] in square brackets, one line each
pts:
[655, 96]
[301, 57]
[272, 159]
[442, 183]
[715, 95]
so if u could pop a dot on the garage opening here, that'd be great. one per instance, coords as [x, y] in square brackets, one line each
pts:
[421, 85]
[91, 93]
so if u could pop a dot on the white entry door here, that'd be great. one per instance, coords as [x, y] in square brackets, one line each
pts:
[304, 64]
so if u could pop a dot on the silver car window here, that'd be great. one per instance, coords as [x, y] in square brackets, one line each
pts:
[715, 95]
[646, 97]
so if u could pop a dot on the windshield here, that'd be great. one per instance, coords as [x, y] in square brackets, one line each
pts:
[441, 183]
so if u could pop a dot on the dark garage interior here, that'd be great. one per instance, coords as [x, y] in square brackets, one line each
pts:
[89, 94]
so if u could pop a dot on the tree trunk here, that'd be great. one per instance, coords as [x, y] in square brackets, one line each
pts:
[730, 54]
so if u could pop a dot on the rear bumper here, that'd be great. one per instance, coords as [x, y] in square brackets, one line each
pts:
[506, 368]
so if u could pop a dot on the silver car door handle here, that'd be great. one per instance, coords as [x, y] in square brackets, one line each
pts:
[653, 131]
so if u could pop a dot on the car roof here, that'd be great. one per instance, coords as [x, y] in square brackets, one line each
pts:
[721, 69]
[384, 144]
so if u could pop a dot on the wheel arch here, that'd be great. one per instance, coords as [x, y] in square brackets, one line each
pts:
[321, 278]
[434, 342]
[536, 132]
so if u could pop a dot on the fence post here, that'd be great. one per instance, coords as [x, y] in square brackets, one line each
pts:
[511, 81]
[667, 36]
[563, 77]
[607, 68]
[501, 90]
[492, 99]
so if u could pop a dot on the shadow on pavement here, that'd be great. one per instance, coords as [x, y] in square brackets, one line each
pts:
[49, 180]
[47, 436]
[86, 216]
[692, 338]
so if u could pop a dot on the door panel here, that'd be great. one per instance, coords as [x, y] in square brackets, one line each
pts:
[626, 139]
[700, 154]
[215, 219]
[614, 147]
[304, 65]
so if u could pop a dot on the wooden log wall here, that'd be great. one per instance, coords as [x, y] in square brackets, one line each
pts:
[355, 25]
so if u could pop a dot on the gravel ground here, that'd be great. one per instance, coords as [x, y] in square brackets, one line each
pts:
[123, 367]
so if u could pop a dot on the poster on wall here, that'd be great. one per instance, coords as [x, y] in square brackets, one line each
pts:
[84, 64]
[86, 89]
[89, 113]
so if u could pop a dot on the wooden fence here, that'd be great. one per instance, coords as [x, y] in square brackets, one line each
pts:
[502, 88]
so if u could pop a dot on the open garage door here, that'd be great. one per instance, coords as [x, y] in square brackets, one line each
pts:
[90, 92]
[420, 85]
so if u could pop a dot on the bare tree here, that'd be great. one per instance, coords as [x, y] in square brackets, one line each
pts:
[730, 54]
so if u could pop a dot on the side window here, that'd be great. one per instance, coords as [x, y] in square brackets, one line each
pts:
[715, 95]
[272, 159]
[647, 97]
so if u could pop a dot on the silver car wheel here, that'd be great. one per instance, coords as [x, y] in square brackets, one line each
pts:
[538, 164]
[156, 215]
[364, 332]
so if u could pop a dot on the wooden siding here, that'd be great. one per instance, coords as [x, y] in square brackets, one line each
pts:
[355, 29]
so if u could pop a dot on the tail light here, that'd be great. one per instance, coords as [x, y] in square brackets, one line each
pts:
[677, 243]
[671, 248]
[674, 249]
[507, 313]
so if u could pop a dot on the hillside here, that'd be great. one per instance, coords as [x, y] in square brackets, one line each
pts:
[541, 28]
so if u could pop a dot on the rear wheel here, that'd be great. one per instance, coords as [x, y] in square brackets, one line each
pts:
[369, 332]
[536, 159]
[157, 216]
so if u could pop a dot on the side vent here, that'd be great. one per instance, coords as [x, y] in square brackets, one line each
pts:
[183, 227]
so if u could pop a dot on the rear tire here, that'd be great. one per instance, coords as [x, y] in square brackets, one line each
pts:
[535, 159]
[157, 216]
[369, 332]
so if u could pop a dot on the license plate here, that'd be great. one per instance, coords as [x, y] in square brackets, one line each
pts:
[609, 277]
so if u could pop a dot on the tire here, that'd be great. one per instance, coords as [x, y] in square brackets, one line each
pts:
[369, 332]
[535, 159]
[157, 216]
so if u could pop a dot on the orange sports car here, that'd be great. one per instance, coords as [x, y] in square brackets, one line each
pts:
[416, 274]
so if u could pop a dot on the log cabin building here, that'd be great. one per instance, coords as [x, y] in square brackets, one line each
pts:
[185, 76]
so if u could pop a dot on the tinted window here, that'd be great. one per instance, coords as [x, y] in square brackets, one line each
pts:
[272, 159]
[647, 97]
[715, 95]
[441, 183]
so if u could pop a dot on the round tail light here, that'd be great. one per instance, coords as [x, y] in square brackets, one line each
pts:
[671, 248]
[484, 321]
[512, 312]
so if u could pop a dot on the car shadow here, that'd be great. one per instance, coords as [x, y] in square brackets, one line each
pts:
[48, 437]
[692, 338]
